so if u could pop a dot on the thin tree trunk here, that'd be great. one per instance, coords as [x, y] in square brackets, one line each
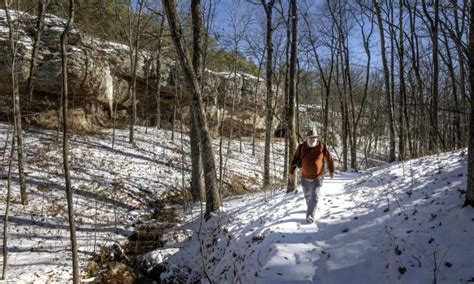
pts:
[325, 80]
[7, 209]
[434, 24]
[114, 116]
[287, 118]
[42, 4]
[158, 74]
[268, 7]
[12, 40]
[69, 193]
[213, 199]
[366, 42]
[391, 157]
[417, 92]
[255, 108]
[134, 61]
[456, 139]
[342, 113]
[462, 80]
[292, 88]
[401, 95]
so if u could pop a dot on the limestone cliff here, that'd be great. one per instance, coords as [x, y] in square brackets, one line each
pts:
[99, 79]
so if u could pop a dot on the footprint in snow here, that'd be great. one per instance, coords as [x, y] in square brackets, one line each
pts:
[297, 258]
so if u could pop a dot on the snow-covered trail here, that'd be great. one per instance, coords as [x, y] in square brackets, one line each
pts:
[298, 251]
[400, 223]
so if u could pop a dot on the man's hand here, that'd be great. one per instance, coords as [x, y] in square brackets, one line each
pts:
[331, 175]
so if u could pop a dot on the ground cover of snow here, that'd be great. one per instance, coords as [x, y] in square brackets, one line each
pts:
[113, 188]
[401, 223]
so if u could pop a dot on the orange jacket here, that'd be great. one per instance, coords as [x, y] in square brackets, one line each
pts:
[312, 165]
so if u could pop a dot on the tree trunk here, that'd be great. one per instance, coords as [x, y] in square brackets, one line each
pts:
[7, 209]
[134, 61]
[325, 80]
[286, 117]
[268, 7]
[69, 193]
[255, 109]
[16, 103]
[158, 74]
[197, 177]
[292, 88]
[401, 95]
[42, 4]
[456, 136]
[433, 25]
[470, 156]
[391, 157]
[462, 80]
[213, 199]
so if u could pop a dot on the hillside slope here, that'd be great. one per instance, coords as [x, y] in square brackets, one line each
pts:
[402, 223]
[114, 189]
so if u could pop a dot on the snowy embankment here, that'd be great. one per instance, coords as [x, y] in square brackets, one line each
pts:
[402, 223]
[113, 189]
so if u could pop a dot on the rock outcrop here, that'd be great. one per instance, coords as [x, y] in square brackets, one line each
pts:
[99, 81]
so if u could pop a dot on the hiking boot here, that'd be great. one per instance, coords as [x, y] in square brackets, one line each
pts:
[310, 219]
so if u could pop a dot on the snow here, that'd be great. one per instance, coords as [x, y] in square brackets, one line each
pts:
[401, 223]
[14, 14]
[229, 74]
[112, 190]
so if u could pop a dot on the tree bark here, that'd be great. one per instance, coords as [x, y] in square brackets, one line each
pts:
[197, 177]
[12, 41]
[42, 4]
[213, 199]
[7, 209]
[391, 157]
[158, 74]
[434, 26]
[292, 88]
[268, 7]
[134, 47]
[462, 78]
[401, 95]
[69, 193]
[470, 156]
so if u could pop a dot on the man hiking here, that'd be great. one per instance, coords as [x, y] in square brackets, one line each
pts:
[309, 157]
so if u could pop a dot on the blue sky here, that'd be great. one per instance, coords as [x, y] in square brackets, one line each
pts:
[228, 12]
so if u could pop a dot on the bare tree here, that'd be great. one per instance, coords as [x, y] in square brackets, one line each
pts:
[197, 177]
[13, 35]
[134, 45]
[402, 90]
[470, 156]
[434, 27]
[268, 7]
[292, 88]
[67, 176]
[391, 157]
[326, 76]
[39, 27]
[213, 199]
[7, 209]
[159, 50]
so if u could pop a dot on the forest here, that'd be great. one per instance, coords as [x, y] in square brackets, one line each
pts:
[148, 141]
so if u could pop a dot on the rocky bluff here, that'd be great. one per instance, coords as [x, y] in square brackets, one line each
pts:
[99, 78]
